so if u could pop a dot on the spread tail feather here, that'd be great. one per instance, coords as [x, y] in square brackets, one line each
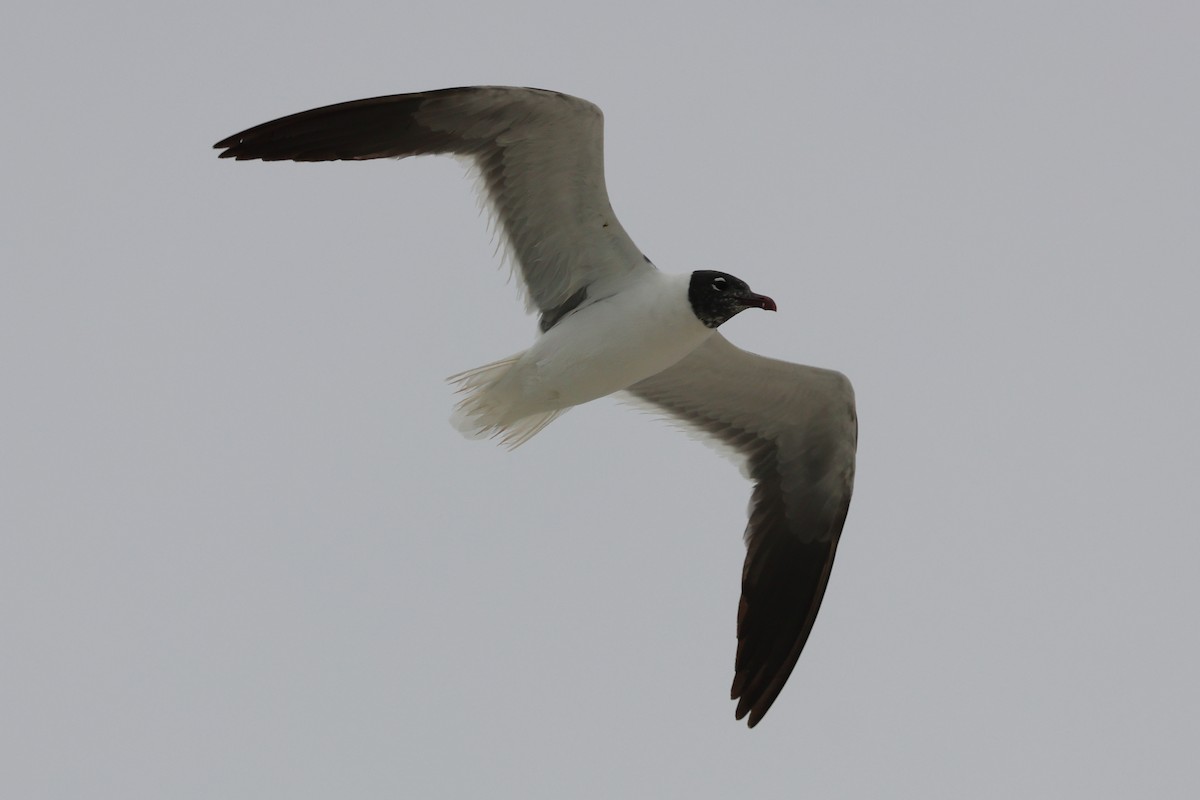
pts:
[489, 407]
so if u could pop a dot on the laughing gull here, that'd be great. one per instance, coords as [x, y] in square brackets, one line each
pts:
[611, 322]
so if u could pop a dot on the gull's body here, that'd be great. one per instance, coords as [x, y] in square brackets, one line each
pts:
[639, 330]
[611, 322]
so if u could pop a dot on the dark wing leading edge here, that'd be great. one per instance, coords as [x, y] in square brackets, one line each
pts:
[796, 431]
[540, 155]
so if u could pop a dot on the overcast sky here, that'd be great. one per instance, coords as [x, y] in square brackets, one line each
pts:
[246, 556]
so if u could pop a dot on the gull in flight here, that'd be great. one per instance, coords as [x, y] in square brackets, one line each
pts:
[610, 321]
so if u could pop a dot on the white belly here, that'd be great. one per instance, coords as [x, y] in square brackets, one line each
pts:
[610, 345]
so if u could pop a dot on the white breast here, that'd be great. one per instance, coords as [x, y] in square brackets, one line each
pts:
[611, 344]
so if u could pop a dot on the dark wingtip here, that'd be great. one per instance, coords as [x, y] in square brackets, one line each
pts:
[375, 127]
[228, 144]
[755, 717]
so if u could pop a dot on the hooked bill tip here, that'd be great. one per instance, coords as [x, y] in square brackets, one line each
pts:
[765, 303]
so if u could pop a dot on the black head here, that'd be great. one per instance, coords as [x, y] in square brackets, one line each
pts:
[718, 296]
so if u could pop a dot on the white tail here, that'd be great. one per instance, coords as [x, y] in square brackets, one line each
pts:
[490, 407]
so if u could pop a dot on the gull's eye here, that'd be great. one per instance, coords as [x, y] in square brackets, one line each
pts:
[718, 284]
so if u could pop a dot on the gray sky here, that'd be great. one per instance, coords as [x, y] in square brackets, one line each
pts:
[245, 555]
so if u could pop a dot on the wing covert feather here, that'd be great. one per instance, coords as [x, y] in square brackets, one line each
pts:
[795, 431]
[540, 156]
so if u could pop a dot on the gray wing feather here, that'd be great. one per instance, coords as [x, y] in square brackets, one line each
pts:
[540, 156]
[795, 431]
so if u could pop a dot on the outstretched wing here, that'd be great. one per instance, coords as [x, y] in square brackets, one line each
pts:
[540, 155]
[795, 431]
